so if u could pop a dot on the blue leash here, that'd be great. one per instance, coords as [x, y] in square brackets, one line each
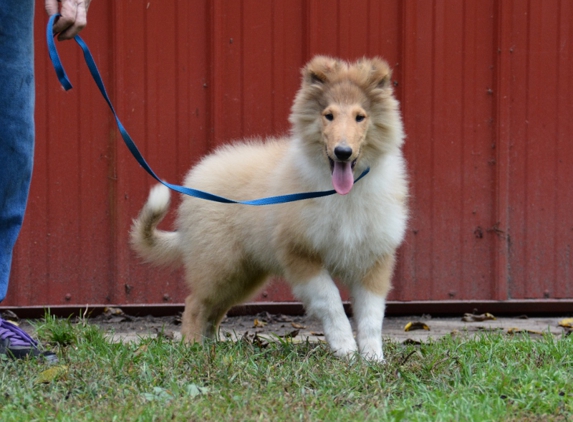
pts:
[65, 82]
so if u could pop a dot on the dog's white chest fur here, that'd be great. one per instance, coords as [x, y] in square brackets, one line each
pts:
[352, 232]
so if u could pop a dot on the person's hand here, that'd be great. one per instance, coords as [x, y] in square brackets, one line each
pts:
[73, 19]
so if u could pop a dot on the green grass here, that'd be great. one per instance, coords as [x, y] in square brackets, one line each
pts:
[490, 378]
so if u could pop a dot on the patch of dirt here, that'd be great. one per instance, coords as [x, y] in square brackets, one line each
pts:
[122, 327]
[127, 328]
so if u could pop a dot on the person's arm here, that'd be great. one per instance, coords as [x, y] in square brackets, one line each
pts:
[73, 19]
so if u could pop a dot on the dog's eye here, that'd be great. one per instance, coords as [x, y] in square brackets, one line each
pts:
[329, 117]
[360, 118]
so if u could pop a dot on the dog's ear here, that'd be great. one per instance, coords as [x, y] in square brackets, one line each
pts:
[318, 70]
[378, 72]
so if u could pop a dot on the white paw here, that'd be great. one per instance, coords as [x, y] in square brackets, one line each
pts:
[372, 351]
[343, 347]
[373, 357]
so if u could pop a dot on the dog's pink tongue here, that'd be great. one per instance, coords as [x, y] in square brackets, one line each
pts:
[342, 178]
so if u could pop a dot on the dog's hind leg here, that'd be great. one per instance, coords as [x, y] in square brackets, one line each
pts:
[209, 301]
[194, 326]
[368, 306]
[322, 299]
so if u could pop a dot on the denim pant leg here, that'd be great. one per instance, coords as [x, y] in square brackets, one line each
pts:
[16, 123]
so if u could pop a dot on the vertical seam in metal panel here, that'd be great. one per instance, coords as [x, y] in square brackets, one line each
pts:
[556, 158]
[569, 89]
[213, 90]
[78, 153]
[49, 217]
[242, 66]
[20, 293]
[273, 65]
[177, 73]
[116, 64]
[208, 75]
[338, 25]
[368, 43]
[401, 36]
[568, 126]
[146, 288]
[146, 84]
[432, 141]
[48, 142]
[404, 105]
[526, 140]
[402, 42]
[502, 116]
[463, 140]
[381, 38]
[306, 45]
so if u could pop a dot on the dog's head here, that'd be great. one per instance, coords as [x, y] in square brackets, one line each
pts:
[347, 109]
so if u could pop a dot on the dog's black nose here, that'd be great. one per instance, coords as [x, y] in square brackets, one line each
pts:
[343, 152]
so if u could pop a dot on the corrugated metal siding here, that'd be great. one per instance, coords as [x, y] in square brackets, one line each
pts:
[540, 149]
[448, 106]
[486, 92]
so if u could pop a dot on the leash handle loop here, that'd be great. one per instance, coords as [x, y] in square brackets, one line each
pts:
[66, 84]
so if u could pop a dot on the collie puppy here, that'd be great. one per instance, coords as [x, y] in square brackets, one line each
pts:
[344, 119]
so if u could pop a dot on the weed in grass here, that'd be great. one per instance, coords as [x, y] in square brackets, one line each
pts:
[490, 377]
[56, 331]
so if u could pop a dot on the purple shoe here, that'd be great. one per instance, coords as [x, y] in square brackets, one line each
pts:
[17, 344]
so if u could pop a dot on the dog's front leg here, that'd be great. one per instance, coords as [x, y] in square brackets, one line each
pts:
[368, 310]
[368, 306]
[322, 299]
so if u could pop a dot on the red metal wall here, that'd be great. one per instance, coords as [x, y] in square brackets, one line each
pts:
[486, 89]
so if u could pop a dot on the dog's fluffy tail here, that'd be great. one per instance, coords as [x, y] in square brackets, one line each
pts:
[155, 246]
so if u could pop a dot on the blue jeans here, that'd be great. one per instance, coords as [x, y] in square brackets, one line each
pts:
[16, 123]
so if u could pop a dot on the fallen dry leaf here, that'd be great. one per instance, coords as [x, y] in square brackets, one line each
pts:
[477, 318]
[317, 333]
[259, 342]
[411, 326]
[522, 330]
[487, 329]
[292, 334]
[161, 333]
[297, 326]
[255, 340]
[110, 311]
[257, 323]
[51, 374]
[140, 350]
[566, 323]
[115, 315]
[282, 318]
